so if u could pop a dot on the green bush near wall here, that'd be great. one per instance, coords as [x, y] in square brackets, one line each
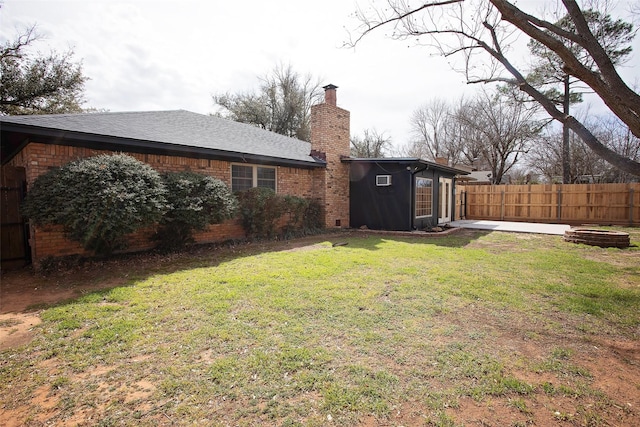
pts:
[261, 210]
[195, 201]
[98, 200]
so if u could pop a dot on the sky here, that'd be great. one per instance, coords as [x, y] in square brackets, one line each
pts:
[143, 55]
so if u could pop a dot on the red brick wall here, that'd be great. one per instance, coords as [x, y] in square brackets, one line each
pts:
[330, 135]
[48, 241]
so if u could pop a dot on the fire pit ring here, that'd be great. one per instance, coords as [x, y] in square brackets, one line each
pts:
[602, 238]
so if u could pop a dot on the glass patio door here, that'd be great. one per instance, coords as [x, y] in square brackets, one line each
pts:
[445, 200]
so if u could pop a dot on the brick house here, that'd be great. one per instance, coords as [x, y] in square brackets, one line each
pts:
[241, 155]
[386, 193]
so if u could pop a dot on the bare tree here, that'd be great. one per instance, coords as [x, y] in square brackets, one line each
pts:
[546, 157]
[502, 130]
[490, 131]
[435, 132]
[619, 138]
[428, 126]
[282, 105]
[548, 73]
[372, 145]
[482, 31]
[38, 84]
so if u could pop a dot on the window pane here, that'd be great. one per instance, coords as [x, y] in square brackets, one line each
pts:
[266, 173]
[241, 177]
[266, 177]
[424, 196]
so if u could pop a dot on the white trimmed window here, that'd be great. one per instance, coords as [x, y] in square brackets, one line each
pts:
[244, 177]
[424, 197]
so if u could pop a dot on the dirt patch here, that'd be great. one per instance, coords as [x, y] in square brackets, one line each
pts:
[24, 290]
[612, 361]
[16, 329]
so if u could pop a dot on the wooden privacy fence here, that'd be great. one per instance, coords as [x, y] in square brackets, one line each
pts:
[554, 203]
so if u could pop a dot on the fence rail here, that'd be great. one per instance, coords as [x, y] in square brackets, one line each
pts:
[555, 203]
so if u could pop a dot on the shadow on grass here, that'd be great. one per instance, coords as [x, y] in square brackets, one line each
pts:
[458, 238]
[63, 284]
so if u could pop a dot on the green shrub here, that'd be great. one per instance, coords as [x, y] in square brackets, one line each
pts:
[304, 215]
[260, 209]
[195, 201]
[313, 218]
[295, 207]
[98, 200]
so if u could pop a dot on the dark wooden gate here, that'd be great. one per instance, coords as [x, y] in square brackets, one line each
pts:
[14, 243]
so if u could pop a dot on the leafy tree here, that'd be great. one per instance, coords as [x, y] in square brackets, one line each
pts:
[195, 201]
[480, 32]
[371, 145]
[282, 104]
[549, 73]
[98, 200]
[38, 84]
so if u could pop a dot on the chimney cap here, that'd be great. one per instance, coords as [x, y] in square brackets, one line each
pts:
[329, 87]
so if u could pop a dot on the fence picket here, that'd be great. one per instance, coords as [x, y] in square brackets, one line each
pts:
[566, 203]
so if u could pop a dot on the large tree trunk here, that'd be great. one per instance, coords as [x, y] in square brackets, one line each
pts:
[605, 81]
[566, 161]
[623, 102]
[522, 21]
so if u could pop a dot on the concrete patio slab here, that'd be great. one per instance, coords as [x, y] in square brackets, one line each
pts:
[519, 227]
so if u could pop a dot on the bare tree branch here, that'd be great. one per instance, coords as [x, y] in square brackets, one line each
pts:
[371, 26]
[494, 14]
[606, 82]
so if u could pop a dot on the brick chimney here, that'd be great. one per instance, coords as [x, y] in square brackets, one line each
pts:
[330, 141]
[442, 161]
[330, 96]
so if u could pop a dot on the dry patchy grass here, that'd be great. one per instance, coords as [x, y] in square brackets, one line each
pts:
[475, 328]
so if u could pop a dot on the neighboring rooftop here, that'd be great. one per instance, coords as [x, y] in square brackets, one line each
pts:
[174, 132]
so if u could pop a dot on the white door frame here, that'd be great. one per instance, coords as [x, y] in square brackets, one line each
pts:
[445, 200]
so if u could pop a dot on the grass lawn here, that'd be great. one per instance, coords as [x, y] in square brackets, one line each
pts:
[476, 328]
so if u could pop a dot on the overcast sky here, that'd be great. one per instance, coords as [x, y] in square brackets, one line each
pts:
[165, 55]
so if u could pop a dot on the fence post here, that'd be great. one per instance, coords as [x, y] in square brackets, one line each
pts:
[463, 206]
[631, 206]
[502, 205]
[559, 203]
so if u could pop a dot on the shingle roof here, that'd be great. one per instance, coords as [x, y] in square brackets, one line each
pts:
[177, 128]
